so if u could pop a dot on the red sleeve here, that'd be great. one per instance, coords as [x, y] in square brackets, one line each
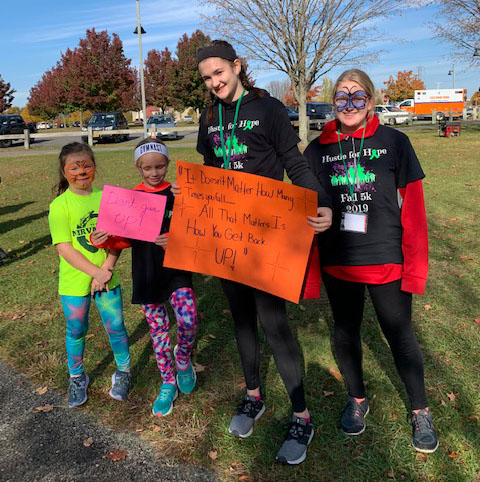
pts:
[313, 278]
[113, 242]
[414, 238]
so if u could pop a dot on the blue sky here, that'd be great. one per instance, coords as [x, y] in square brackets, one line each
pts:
[34, 34]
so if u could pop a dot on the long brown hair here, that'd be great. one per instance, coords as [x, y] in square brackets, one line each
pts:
[68, 149]
[245, 79]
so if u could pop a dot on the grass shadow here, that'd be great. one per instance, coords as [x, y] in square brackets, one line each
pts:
[28, 249]
[18, 223]
[13, 208]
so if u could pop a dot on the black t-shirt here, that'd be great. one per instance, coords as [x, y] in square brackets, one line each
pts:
[387, 163]
[264, 142]
[152, 282]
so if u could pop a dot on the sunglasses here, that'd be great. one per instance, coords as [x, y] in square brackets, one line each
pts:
[355, 100]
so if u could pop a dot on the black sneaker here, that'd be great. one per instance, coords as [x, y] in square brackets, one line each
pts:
[248, 411]
[424, 438]
[294, 449]
[353, 416]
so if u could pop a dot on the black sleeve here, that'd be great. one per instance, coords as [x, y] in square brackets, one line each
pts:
[282, 134]
[408, 165]
[313, 155]
[301, 175]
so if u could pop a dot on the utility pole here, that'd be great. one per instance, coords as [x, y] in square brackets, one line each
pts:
[139, 31]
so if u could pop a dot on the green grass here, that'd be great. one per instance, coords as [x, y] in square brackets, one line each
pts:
[32, 330]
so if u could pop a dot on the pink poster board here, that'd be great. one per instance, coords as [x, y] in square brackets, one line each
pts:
[131, 214]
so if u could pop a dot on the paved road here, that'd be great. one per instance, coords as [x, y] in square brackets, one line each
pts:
[57, 142]
[48, 447]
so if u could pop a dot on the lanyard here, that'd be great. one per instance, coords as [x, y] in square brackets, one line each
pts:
[226, 157]
[355, 172]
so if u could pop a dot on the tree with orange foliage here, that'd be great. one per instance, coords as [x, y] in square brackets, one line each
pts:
[312, 95]
[403, 87]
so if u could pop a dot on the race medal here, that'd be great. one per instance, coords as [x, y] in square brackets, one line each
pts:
[354, 222]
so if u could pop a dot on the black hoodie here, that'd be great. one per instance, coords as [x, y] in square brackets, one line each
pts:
[264, 142]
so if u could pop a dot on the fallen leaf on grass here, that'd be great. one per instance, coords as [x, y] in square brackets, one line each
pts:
[335, 373]
[443, 403]
[213, 454]
[90, 335]
[41, 390]
[453, 455]
[461, 275]
[223, 320]
[451, 396]
[474, 417]
[394, 416]
[44, 408]
[87, 442]
[43, 344]
[477, 321]
[156, 429]
[453, 219]
[199, 368]
[115, 455]
[327, 393]
[465, 258]
[302, 308]
[213, 337]
[226, 312]
[427, 307]
[244, 478]
[422, 457]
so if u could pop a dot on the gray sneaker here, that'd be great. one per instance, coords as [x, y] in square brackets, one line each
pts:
[294, 449]
[77, 390]
[353, 416]
[248, 411]
[120, 385]
[424, 438]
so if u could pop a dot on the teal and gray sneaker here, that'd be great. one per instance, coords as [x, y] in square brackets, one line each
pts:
[424, 438]
[77, 390]
[248, 411]
[163, 405]
[186, 379]
[120, 385]
[353, 416]
[294, 449]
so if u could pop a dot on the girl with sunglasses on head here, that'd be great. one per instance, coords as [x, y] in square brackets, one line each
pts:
[245, 129]
[378, 240]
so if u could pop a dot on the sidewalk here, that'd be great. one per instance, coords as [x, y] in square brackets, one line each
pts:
[49, 446]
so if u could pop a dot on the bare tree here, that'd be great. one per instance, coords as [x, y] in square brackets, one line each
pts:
[304, 39]
[278, 88]
[462, 28]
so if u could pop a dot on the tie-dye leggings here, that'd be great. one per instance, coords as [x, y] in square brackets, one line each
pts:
[184, 306]
[109, 305]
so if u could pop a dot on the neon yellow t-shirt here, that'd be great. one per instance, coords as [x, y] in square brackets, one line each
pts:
[72, 218]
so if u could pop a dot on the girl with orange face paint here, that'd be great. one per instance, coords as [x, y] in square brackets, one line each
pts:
[85, 272]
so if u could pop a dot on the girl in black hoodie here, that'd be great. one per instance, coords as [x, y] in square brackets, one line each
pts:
[247, 130]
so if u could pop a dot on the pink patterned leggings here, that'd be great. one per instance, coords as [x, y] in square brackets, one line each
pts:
[184, 306]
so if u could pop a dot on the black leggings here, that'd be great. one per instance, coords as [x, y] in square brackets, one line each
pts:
[246, 304]
[394, 312]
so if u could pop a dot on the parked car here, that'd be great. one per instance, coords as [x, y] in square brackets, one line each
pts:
[11, 124]
[188, 118]
[320, 113]
[106, 121]
[32, 127]
[392, 115]
[161, 122]
[44, 125]
[76, 124]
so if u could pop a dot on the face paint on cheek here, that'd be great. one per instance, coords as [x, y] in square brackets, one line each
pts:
[80, 175]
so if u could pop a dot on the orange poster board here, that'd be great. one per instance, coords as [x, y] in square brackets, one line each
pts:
[241, 227]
